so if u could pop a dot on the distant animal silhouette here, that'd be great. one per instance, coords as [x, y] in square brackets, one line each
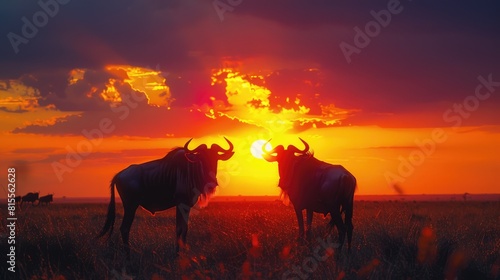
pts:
[178, 179]
[30, 197]
[465, 196]
[316, 186]
[18, 199]
[47, 199]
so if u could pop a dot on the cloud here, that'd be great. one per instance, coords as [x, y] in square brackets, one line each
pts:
[280, 101]
[82, 95]
[142, 122]
[234, 101]
[133, 116]
[410, 64]
[17, 111]
[35, 150]
[110, 157]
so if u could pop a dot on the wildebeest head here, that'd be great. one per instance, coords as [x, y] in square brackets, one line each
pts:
[286, 159]
[208, 158]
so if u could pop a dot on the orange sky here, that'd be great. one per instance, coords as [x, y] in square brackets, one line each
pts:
[457, 160]
[411, 109]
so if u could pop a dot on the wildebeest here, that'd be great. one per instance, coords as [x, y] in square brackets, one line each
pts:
[178, 179]
[30, 197]
[316, 186]
[47, 199]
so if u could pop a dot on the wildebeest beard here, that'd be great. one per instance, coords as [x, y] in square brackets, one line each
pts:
[208, 174]
[207, 186]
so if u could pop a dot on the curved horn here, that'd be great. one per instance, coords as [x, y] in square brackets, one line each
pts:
[274, 150]
[231, 146]
[202, 146]
[226, 154]
[268, 155]
[220, 149]
[296, 150]
[264, 147]
[187, 144]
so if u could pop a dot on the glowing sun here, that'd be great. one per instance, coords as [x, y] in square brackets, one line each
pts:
[256, 148]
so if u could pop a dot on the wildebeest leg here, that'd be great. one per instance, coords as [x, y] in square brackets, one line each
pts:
[309, 214]
[181, 226]
[348, 225]
[337, 221]
[128, 218]
[300, 219]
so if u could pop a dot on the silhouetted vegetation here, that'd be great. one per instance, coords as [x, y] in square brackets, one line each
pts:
[238, 240]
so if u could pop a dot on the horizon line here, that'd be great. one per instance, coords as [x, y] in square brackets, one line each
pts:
[276, 198]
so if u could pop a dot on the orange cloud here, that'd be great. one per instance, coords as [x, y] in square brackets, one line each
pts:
[16, 97]
[250, 101]
[149, 81]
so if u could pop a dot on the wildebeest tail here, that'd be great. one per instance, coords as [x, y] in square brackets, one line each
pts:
[110, 218]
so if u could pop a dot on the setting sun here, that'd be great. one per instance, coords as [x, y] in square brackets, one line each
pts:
[256, 148]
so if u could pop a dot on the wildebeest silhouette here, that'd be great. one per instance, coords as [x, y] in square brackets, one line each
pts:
[178, 179]
[46, 199]
[316, 186]
[30, 197]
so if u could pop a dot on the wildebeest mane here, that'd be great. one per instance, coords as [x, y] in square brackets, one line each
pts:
[176, 170]
[300, 166]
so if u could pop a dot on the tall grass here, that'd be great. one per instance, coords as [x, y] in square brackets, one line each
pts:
[257, 240]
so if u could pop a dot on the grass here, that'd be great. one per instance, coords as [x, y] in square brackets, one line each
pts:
[257, 240]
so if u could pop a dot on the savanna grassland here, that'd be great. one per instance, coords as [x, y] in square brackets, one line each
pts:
[257, 240]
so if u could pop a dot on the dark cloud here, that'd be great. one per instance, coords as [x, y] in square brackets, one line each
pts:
[310, 14]
[192, 87]
[84, 95]
[111, 157]
[142, 122]
[430, 53]
[94, 33]
[133, 116]
[292, 88]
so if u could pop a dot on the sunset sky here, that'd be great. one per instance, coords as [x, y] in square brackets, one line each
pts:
[409, 103]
